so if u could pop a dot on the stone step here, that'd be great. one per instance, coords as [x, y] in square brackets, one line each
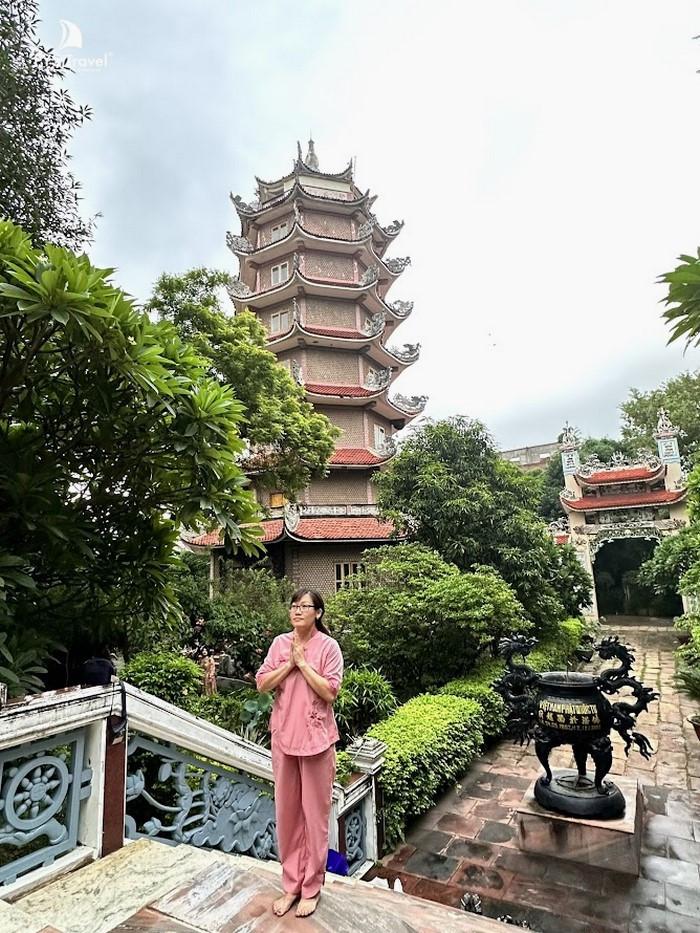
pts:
[148, 886]
[15, 920]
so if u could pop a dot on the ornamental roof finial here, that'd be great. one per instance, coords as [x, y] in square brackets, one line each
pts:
[664, 426]
[311, 158]
[569, 438]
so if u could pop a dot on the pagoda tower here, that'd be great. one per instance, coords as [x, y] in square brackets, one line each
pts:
[313, 269]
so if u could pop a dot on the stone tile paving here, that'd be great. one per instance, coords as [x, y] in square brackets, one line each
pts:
[467, 842]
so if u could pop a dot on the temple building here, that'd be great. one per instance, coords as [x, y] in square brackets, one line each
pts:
[605, 503]
[313, 269]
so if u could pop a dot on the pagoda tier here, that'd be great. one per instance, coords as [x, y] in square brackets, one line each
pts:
[628, 500]
[620, 477]
[313, 270]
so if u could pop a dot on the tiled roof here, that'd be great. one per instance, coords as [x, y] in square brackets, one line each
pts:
[346, 332]
[208, 539]
[318, 388]
[628, 475]
[626, 500]
[343, 529]
[352, 455]
[272, 529]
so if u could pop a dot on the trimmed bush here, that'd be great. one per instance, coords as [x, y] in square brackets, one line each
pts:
[166, 675]
[431, 741]
[364, 698]
[343, 768]
[223, 709]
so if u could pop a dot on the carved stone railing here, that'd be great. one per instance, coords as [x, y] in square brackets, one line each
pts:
[79, 789]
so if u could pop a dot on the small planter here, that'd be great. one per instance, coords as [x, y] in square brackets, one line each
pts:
[695, 723]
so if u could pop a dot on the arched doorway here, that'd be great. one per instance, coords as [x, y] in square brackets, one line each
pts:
[618, 591]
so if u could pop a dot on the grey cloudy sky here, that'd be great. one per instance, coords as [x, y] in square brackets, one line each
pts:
[543, 155]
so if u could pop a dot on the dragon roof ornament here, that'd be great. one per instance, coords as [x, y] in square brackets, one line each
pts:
[411, 404]
[238, 244]
[237, 289]
[397, 265]
[370, 275]
[374, 325]
[664, 426]
[401, 308]
[569, 438]
[409, 353]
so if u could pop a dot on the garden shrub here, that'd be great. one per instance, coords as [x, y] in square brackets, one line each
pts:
[343, 768]
[688, 656]
[166, 675]
[222, 709]
[245, 712]
[364, 698]
[431, 741]
[246, 616]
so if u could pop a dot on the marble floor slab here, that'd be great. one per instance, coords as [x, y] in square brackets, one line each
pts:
[103, 894]
[15, 920]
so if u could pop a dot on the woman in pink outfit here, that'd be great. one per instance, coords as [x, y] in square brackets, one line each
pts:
[304, 667]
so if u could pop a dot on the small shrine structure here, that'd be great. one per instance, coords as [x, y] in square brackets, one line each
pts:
[641, 498]
[313, 268]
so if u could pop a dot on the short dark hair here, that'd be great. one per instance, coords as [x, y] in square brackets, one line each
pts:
[318, 602]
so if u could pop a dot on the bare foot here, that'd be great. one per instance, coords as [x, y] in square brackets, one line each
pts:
[306, 906]
[282, 904]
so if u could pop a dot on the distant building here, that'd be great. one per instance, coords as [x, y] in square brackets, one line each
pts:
[532, 458]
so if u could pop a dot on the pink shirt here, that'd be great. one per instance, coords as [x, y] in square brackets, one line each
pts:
[302, 723]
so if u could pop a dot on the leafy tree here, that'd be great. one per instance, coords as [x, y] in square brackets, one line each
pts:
[552, 478]
[290, 442]
[680, 396]
[683, 300]
[418, 619]
[37, 119]
[449, 489]
[112, 438]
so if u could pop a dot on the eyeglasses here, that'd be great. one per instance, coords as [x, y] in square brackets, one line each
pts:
[296, 607]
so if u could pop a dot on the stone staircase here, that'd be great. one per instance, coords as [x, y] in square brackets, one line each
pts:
[149, 887]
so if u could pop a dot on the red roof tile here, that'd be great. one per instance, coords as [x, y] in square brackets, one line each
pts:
[343, 529]
[318, 388]
[208, 539]
[630, 499]
[353, 455]
[628, 475]
[272, 529]
[336, 332]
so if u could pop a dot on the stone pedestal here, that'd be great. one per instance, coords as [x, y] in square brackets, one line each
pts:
[614, 844]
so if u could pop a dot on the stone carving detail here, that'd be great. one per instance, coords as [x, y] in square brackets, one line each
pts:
[397, 265]
[297, 373]
[298, 216]
[296, 314]
[394, 227]
[569, 437]
[239, 244]
[238, 289]
[292, 516]
[664, 426]
[401, 308]
[374, 325]
[252, 208]
[644, 460]
[387, 448]
[378, 378]
[41, 789]
[355, 834]
[318, 511]
[213, 807]
[558, 526]
[370, 275]
[413, 404]
[409, 353]
[365, 230]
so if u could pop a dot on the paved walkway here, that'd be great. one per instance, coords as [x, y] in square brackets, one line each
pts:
[467, 842]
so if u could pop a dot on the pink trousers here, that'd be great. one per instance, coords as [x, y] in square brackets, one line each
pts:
[303, 790]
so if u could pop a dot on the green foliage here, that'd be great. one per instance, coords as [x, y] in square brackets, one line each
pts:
[683, 300]
[291, 442]
[417, 619]
[21, 661]
[364, 698]
[449, 489]
[37, 119]
[343, 768]
[431, 741]
[680, 396]
[166, 675]
[244, 712]
[246, 616]
[493, 707]
[688, 656]
[112, 438]
[190, 582]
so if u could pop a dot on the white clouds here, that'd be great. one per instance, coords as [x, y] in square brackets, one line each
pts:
[542, 154]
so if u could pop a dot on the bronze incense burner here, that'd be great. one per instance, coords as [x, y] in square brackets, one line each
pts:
[571, 708]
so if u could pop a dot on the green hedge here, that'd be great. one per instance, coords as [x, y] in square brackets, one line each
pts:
[165, 674]
[553, 653]
[431, 741]
[688, 655]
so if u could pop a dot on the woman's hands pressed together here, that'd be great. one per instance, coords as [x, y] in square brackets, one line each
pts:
[297, 657]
